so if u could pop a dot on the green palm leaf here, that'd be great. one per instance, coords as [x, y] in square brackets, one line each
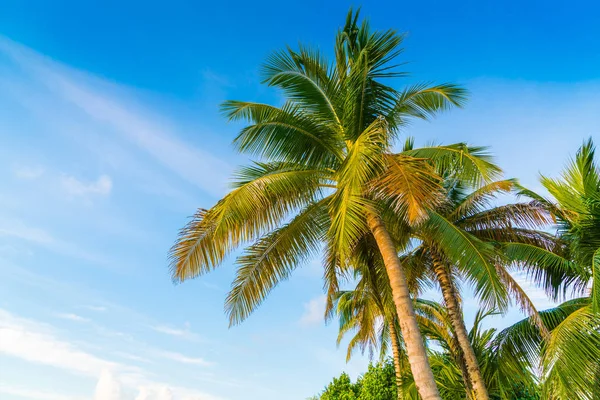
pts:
[472, 256]
[470, 164]
[273, 258]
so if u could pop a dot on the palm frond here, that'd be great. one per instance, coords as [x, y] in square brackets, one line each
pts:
[410, 184]
[548, 270]
[284, 133]
[571, 356]
[348, 205]
[522, 300]
[472, 165]
[304, 78]
[478, 200]
[423, 101]
[273, 258]
[595, 289]
[263, 196]
[473, 257]
[520, 215]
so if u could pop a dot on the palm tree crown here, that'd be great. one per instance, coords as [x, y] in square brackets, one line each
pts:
[568, 357]
[326, 165]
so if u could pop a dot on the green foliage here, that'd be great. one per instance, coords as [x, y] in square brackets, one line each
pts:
[325, 161]
[341, 388]
[378, 383]
[503, 380]
[568, 356]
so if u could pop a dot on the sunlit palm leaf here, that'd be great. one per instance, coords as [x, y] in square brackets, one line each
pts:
[273, 258]
[472, 256]
[547, 269]
[283, 133]
[410, 184]
[471, 164]
[481, 198]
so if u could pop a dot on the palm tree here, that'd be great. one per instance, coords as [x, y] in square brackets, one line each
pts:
[501, 379]
[569, 356]
[368, 310]
[326, 176]
[444, 258]
[460, 240]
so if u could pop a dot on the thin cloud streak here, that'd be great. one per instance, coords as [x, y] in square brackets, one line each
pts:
[90, 95]
[28, 172]
[75, 187]
[38, 343]
[35, 394]
[20, 230]
[181, 333]
[72, 317]
[185, 359]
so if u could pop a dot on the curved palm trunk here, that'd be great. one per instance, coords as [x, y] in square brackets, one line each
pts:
[415, 347]
[459, 358]
[460, 330]
[396, 353]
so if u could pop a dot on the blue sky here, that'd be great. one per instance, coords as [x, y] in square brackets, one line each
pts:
[111, 137]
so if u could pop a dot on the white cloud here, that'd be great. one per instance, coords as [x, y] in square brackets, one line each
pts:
[165, 394]
[108, 386]
[314, 311]
[28, 172]
[74, 187]
[96, 308]
[18, 229]
[38, 343]
[29, 393]
[12, 251]
[184, 359]
[72, 317]
[132, 357]
[34, 343]
[144, 394]
[106, 103]
[184, 333]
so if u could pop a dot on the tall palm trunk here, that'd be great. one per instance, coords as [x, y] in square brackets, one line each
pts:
[460, 330]
[459, 359]
[396, 353]
[415, 347]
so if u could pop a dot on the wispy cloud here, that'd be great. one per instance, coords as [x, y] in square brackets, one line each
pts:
[314, 311]
[96, 308]
[29, 393]
[72, 317]
[184, 359]
[535, 293]
[75, 187]
[19, 229]
[165, 394]
[39, 344]
[28, 340]
[107, 103]
[184, 333]
[28, 171]
[131, 357]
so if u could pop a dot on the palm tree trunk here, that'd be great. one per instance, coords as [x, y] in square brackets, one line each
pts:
[415, 347]
[396, 354]
[460, 330]
[459, 358]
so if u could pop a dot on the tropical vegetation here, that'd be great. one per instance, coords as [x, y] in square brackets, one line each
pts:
[328, 180]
